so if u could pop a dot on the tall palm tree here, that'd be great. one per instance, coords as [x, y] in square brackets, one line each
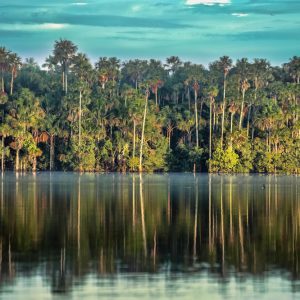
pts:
[4, 58]
[83, 70]
[244, 86]
[242, 70]
[146, 87]
[14, 62]
[224, 64]
[63, 54]
[212, 93]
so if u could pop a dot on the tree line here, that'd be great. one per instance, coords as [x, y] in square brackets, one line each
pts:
[148, 115]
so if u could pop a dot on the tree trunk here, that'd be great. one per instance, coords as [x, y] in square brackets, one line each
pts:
[51, 152]
[143, 132]
[63, 80]
[134, 128]
[66, 83]
[12, 83]
[2, 155]
[210, 129]
[34, 164]
[242, 109]
[17, 160]
[189, 98]
[2, 83]
[79, 135]
[214, 119]
[196, 120]
[156, 97]
[223, 111]
[248, 120]
[231, 122]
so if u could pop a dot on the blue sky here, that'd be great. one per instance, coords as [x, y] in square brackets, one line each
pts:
[196, 30]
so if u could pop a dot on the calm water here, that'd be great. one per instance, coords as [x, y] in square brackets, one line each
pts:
[175, 236]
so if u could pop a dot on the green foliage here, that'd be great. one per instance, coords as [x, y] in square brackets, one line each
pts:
[74, 116]
[224, 161]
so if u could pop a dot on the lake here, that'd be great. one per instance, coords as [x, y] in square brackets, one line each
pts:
[173, 236]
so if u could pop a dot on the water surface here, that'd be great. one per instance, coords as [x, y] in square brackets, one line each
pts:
[65, 235]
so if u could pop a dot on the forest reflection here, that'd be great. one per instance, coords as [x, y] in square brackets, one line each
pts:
[70, 226]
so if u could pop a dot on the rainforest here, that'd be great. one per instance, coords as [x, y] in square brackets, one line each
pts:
[141, 115]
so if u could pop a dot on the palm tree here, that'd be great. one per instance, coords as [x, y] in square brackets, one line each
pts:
[293, 68]
[261, 74]
[134, 71]
[63, 53]
[172, 64]
[232, 109]
[146, 87]
[4, 57]
[82, 69]
[242, 70]
[196, 89]
[14, 62]
[244, 86]
[212, 93]
[224, 64]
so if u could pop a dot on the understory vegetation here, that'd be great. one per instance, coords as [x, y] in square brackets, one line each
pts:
[148, 115]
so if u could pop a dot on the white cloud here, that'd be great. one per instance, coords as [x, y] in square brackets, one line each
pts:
[34, 27]
[207, 2]
[52, 26]
[240, 15]
[79, 3]
[136, 8]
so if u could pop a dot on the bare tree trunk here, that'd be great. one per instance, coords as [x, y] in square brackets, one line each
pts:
[34, 165]
[80, 112]
[51, 152]
[63, 80]
[231, 122]
[11, 83]
[143, 132]
[2, 155]
[196, 120]
[210, 130]
[189, 98]
[242, 109]
[78, 218]
[17, 160]
[223, 111]
[134, 129]
[2, 83]
[248, 120]
[66, 83]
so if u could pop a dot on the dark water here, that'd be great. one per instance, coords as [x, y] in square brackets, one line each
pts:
[66, 236]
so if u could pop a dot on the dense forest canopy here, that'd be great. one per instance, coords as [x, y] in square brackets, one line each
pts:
[148, 115]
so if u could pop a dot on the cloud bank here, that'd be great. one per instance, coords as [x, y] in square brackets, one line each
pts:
[207, 2]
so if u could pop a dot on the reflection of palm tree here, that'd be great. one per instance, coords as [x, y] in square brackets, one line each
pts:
[143, 215]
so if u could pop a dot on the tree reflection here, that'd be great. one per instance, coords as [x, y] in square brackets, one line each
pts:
[106, 224]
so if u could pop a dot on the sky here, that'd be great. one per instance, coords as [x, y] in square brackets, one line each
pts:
[195, 30]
